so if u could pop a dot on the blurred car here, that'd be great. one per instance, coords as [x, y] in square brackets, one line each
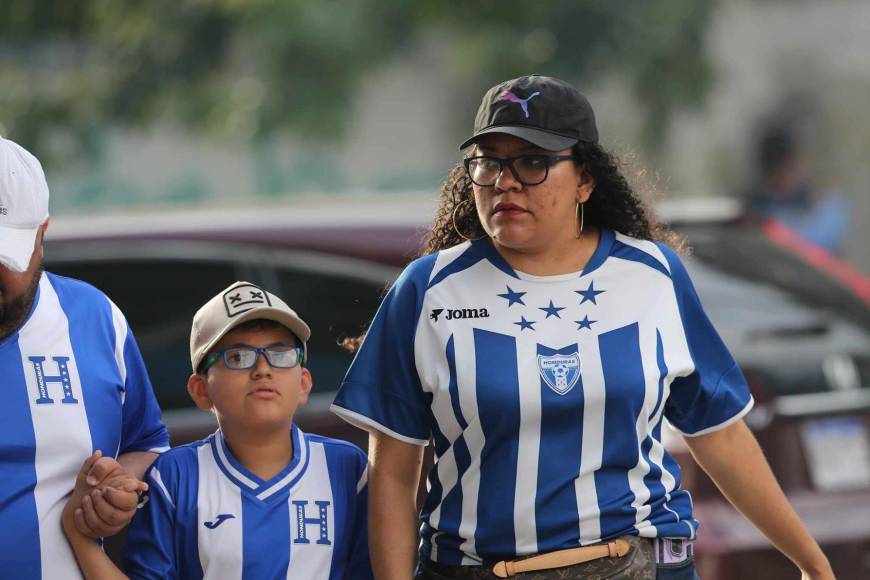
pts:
[800, 334]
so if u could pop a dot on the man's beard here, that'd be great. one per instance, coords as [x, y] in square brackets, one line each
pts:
[12, 313]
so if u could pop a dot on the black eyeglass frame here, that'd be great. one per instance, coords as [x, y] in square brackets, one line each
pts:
[509, 162]
[222, 355]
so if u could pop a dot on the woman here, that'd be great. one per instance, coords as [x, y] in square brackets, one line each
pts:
[539, 344]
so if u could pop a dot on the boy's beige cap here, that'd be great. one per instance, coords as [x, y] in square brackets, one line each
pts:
[240, 302]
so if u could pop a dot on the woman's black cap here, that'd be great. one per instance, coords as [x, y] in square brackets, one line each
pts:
[542, 110]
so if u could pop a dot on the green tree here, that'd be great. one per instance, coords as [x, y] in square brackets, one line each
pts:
[258, 67]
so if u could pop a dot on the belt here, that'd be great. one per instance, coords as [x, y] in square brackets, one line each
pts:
[561, 558]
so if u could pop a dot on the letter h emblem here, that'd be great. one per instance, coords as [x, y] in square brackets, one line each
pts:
[42, 380]
[302, 522]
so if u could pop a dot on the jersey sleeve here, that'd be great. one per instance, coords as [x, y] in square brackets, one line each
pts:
[143, 428]
[150, 551]
[382, 390]
[715, 394]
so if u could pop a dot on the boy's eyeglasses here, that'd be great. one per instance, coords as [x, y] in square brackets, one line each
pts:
[240, 358]
[527, 169]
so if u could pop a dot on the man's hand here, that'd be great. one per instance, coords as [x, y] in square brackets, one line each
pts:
[111, 500]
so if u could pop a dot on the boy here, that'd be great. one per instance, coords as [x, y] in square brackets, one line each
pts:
[259, 498]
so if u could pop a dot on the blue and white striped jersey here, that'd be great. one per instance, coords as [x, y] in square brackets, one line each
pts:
[210, 517]
[73, 382]
[544, 395]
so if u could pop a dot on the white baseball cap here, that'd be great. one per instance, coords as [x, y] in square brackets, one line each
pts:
[240, 302]
[23, 204]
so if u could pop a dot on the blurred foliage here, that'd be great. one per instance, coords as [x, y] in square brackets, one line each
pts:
[253, 68]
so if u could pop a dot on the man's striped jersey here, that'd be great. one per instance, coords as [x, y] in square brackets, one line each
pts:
[73, 382]
[544, 395]
[210, 517]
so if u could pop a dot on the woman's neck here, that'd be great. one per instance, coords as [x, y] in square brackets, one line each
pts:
[264, 453]
[555, 259]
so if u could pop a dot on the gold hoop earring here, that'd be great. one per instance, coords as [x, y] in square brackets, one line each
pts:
[453, 218]
[580, 214]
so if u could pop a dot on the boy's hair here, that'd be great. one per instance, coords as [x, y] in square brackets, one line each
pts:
[254, 325]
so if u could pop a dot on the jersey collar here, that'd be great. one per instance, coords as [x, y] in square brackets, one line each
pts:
[249, 482]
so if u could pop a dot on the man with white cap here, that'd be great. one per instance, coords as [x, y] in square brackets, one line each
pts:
[73, 382]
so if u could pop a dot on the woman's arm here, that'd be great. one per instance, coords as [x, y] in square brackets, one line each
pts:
[734, 461]
[394, 473]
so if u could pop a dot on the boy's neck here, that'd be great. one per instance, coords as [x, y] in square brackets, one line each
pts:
[264, 452]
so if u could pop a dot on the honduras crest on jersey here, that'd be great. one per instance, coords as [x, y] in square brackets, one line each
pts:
[560, 371]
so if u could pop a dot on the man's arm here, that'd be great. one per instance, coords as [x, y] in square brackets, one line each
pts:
[137, 462]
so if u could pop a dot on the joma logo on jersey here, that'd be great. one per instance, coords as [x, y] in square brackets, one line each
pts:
[43, 380]
[221, 518]
[454, 313]
[560, 371]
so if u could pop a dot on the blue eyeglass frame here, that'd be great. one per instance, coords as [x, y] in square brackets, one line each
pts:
[221, 355]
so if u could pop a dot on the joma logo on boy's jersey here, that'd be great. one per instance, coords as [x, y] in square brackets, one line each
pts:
[221, 518]
[453, 313]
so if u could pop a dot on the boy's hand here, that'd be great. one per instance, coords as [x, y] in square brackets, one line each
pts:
[110, 499]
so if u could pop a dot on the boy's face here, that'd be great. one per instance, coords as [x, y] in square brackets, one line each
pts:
[258, 397]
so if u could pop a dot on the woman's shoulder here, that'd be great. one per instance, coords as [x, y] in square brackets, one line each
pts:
[421, 269]
[653, 253]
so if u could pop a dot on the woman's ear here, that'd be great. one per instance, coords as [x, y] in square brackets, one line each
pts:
[585, 184]
[196, 389]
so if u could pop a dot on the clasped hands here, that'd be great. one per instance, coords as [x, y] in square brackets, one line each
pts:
[104, 499]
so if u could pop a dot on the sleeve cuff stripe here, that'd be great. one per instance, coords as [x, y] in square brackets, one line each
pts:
[363, 480]
[723, 424]
[368, 424]
[155, 476]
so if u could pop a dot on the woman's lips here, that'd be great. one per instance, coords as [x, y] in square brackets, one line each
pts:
[508, 209]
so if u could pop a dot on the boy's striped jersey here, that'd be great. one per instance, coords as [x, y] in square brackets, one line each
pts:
[209, 517]
[73, 382]
[544, 395]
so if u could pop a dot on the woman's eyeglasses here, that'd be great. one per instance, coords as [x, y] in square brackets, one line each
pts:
[527, 169]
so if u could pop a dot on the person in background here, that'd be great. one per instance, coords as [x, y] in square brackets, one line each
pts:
[783, 190]
[540, 344]
[73, 382]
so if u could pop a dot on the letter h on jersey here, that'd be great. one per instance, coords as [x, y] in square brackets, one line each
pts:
[42, 380]
[302, 522]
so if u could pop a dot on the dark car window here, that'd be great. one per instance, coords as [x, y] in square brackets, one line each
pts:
[747, 254]
[335, 307]
[785, 322]
[160, 296]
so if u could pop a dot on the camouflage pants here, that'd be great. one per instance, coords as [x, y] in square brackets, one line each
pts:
[638, 564]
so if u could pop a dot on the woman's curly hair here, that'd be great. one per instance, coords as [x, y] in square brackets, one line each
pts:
[613, 204]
